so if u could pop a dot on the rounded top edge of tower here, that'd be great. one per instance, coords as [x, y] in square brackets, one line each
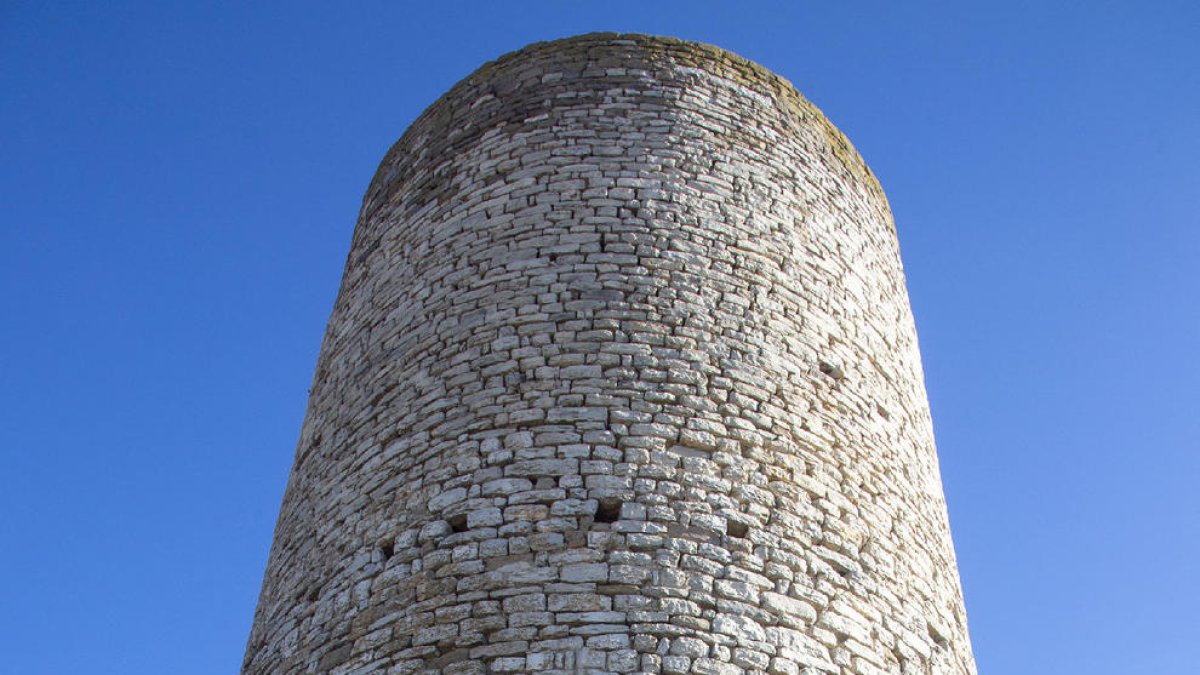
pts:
[661, 46]
[646, 41]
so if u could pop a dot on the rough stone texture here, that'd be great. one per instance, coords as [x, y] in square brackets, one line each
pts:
[622, 378]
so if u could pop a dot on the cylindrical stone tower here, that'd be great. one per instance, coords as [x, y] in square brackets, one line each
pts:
[622, 377]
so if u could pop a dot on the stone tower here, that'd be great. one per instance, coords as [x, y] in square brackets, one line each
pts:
[622, 377]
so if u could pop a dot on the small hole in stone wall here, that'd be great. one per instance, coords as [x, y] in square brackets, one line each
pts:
[938, 638]
[387, 547]
[735, 529]
[458, 523]
[314, 594]
[608, 510]
[831, 370]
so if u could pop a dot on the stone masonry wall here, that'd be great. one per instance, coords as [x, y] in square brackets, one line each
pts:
[622, 377]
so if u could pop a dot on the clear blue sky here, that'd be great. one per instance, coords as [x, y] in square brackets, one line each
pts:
[180, 180]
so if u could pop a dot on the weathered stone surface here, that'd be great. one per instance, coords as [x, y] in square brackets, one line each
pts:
[604, 390]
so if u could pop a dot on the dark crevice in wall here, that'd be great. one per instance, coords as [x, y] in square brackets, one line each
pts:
[608, 510]
[735, 529]
[831, 370]
[938, 638]
[458, 523]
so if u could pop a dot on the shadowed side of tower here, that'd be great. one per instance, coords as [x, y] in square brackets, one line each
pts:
[622, 377]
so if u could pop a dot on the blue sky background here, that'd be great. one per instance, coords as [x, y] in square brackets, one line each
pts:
[180, 181]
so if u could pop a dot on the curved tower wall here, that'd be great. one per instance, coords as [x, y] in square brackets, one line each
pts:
[622, 377]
